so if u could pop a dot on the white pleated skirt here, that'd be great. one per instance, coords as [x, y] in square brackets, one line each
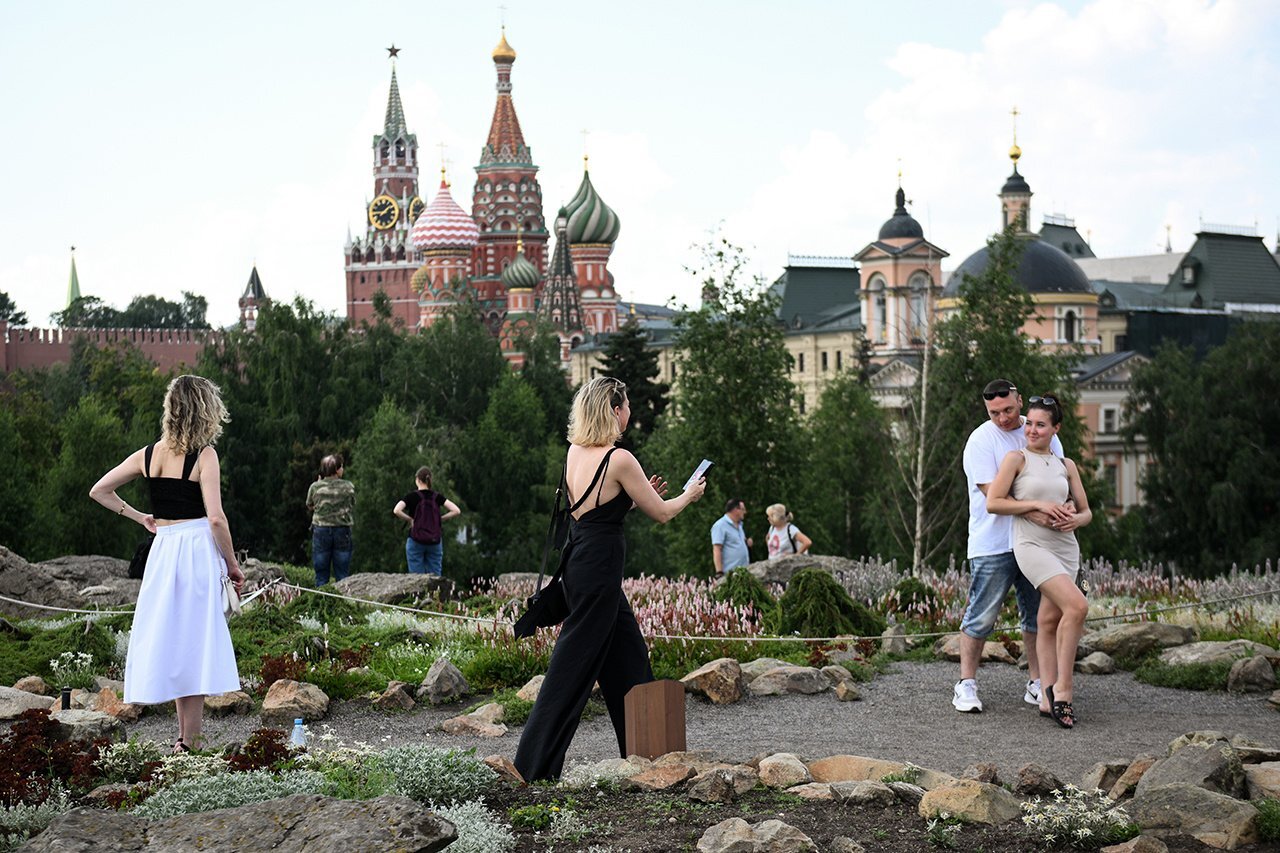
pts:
[180, 644]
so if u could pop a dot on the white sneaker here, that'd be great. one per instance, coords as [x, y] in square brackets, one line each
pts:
[1032, 696]
[966, 699]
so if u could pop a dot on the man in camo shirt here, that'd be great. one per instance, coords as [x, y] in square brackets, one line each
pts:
[331, 500]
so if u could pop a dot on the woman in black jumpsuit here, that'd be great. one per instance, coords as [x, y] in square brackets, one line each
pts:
[600, 640]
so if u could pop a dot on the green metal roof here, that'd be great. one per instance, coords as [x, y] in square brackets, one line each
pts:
[811, 294]
[1228, 268]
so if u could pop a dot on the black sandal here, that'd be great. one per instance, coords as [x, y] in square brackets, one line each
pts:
[1062, 712]
[179, 747]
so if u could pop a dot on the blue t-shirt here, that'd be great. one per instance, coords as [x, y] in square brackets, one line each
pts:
[733, 540]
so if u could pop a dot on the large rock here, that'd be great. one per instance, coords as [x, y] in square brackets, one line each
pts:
[782, 770]
[1035, 780]
[1251, 675]
[76, 724]
[948, 648]
[1141, 844]
[260, 572]
[735, 835]
[1274, 700]
[1211, 818]
[1097, 663]
[971, 802]
[531, 689]
[751, 670]
[392, 589]
[658, 778]
[1213, 651]
[1252, 751]
[99, 581]
[1132, 775]
[858, 768]
[224, 704]
[789, 679]
[109, 702]
[506, 771]
[864, 793]
[1103, 775]
[288, 700]
[14, 702]
[1213, 766]
[25, 582]
[444, 682]
[33, 684]
[1263, 780]
[1137, 639]
[301, 823]
[894, 640]
[482, 722]
[721, 681]
[395, 698]
[722, 784]
[781, 570]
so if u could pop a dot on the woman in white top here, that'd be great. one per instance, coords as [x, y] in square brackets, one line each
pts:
[784, 537]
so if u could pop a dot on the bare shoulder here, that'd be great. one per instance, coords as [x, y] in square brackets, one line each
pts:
[1014, 458]
[1071, 466]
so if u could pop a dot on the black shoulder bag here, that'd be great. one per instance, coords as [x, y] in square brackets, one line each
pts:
[547, 606]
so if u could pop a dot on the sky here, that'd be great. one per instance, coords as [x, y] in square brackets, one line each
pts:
[177, 145]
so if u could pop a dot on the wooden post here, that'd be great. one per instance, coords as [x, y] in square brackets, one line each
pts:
[655, 718]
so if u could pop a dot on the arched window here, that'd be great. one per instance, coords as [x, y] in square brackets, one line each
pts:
[399, 149]
[1070, 327]
[385, 151]
[400, 252]
[878, 327]
[919, 305]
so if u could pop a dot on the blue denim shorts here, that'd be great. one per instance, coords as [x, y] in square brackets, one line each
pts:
[991, 577]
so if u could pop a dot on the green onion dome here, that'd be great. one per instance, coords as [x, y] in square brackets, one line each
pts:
[590, 219]
[520, 274]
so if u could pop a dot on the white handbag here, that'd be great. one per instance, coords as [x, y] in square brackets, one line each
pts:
[230, 598]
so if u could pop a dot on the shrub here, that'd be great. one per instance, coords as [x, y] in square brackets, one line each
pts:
[745, 590]
[73, 669]
[21, 822]
[408, 661]
[128, 762]
[1189, 676]
[815, 605]
[337, 683]
[188, 765]
[21, 655]
[480, 830]
[228, 790]
[287, 667]
[1080, 820]
[504, 664]
[912, 600]
[431, 775]
[514, 709]
[1268, 819]
[32, 760]
[265, 749]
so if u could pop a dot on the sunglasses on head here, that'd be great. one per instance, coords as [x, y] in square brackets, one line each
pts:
[991, 395]
[1048, 401]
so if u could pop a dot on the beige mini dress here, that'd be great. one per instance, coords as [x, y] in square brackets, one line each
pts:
[1042, 552]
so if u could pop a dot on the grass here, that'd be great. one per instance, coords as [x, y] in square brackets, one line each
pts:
[514, 709]
[1192, 676]
[1268, 819]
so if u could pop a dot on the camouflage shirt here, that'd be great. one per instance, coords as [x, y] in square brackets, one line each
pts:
[332, 500]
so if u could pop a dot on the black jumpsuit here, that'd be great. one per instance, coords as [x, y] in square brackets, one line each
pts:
[599, 642]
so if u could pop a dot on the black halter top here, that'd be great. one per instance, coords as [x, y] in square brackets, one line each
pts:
[614, 511]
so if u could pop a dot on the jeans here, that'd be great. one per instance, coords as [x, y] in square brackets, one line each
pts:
[330, 546]
[424, 559]
[990, 579]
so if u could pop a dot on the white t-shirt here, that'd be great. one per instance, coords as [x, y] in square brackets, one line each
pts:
[779, 540]
[983, 453]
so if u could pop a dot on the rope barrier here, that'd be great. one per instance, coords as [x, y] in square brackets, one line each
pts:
[66, 609]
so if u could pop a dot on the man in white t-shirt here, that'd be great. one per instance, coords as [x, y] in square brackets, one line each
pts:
[992, 567]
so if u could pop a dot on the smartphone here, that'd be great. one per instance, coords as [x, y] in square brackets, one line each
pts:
[701, 471]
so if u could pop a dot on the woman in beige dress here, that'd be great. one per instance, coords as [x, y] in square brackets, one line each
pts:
[1049, 557]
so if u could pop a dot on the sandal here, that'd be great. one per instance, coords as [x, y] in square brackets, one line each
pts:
[179, 747]
[1062, 712]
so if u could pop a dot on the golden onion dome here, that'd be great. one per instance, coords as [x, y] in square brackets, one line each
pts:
[1015, 153]
[504, 52]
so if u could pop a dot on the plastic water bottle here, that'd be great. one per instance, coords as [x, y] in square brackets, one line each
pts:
[298, 737]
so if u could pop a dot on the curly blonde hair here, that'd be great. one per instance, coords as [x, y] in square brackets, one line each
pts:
[592, 422]
[193, 414]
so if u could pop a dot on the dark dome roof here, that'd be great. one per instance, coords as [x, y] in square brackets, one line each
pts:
[1043, 269]
[902, 224]
[1016, 183]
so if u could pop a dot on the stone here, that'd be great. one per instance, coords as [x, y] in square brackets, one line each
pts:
[971, 802]
[98, 796]
[1262, 780]
[893, 641]
[837, 674]
[847, 691]
[780, 571]
[506, 771]
[712, 786]
[14, 702]
[1211, 818]
[845, 844]
[1098, 663]
[1141, 844]
[1201, 736]
[108, 702]
[948, 648]
[983, 771]
[812, 791]
[608, 768]
[1133, 774]
[735, 835]
[288, 700]
[1274, 700]
[1137, 639]
[225, 704]
[1213, 766]
[845, 651]
[293, 824]
[1103, 775]
[33, 684]
[658, 778]
[1253, 752]
[475, 724]
[444, 682]
[783, 770]
[721, 681]
[865, 793]
[261, 572]
[1214, 651]
[907, 793]
[101, 682]
[386, 588]
[751, 670]
[1251, 675]
[789, 679]
[490, 712]
[700, 760]
[1035, 780]
[395, 698]
[76, 724]
[532, 687]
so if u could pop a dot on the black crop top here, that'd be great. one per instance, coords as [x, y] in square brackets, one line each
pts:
[176, 498]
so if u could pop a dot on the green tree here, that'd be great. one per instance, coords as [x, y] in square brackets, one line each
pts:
[544, 373]
[9, 312]
[87, 312]
[627, 357]
[464, 366]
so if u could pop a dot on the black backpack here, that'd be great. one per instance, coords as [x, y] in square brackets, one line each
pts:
[426, 519]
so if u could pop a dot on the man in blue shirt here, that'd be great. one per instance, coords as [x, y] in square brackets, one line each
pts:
[729, 542]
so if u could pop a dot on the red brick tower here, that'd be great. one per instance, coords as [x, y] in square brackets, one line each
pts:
[383, 258]
[507, 199]
[253, 298]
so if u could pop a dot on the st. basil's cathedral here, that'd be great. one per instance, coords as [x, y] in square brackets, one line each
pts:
[428, 258]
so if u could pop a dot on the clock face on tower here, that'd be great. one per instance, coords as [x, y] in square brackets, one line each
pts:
[383, 212]
[415, 209]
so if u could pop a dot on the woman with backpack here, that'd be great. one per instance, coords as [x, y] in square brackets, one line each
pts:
[784, 537]
[424, 549]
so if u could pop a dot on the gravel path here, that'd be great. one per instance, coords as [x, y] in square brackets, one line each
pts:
[905, 715]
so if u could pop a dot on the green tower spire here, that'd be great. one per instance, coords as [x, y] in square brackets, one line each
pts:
[73, 286]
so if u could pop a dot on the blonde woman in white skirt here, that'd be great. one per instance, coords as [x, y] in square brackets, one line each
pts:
[180, 648]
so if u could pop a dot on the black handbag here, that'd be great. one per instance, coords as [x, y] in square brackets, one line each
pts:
[139, 562]
[547, 606]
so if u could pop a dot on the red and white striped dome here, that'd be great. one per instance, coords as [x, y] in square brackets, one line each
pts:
[444, 225]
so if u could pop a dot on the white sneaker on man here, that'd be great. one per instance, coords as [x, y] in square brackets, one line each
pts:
[966, 699]
[1032, 696]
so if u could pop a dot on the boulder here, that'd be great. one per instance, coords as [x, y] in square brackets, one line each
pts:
[1200, 736]
[14, 702]
[288, 700]
[490, 712]
[76, 724]
[1103, 775]
[983, 771]
[444, 683]
[225, 704]
[789, 678]
[971, 802]
[532, 687]
[615, 769]
[721, 681]
[1034, 780]
[1213, 651]
[713, 786]
[98, 581]
[1097, 663]
[1274, 700]
[864, 793]
[395, 698]
[837, 675]
[108, 702]
[948, 648]
[781, 570]
[658, 778]
[783, 770]
[894, 640]
[1251, 675]
[101, 681]
[1253, 752]
[735, 835]
[1133, 774]
[1263, 780]
[858, 768]
[485, 721]
[1141, 844]
[260, 572]
[1213, 766]
[25, 582]
[1136, 639]
[506, 771]
[393, 589]
[33, 684]
[812, 791]
[700, 760]
[906, 792]
[847, 691]
[751, 670]
[301, 823]
[1211, 818]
